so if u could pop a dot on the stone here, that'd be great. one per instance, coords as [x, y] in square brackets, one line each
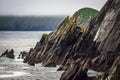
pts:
[8, 54]
[22, 55]
[60, 68]
[75, 72]
[114, 72]
[50, 64]
[31, 63]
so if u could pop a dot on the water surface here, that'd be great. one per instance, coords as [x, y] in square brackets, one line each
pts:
[19, 40]
[14, 68]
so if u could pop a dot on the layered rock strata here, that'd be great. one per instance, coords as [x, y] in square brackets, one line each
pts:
[94, 44]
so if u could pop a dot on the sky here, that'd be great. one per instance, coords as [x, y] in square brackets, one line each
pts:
[46, 7]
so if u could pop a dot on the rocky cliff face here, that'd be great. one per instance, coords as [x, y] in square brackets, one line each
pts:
[108, 36]
[94, 44]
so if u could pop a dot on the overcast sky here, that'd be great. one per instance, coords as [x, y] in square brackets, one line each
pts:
[46, 7]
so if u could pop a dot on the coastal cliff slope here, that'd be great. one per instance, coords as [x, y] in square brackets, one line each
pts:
[92, 45]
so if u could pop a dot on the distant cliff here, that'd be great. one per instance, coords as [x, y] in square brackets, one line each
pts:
[29, 23]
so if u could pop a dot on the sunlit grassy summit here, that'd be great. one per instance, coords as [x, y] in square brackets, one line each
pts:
[85, 14]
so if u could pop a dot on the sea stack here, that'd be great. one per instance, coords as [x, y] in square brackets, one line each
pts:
[8, 54]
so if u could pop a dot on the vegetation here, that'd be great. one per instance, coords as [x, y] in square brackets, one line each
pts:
[84, 14]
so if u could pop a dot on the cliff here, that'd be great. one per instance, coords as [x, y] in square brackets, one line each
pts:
[92, 45]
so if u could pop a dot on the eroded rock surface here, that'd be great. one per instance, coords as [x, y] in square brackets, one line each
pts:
[8, 54]
[75, 72]
[94, 44]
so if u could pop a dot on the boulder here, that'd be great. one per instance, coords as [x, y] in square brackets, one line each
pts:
[32, 63]
[60, 68]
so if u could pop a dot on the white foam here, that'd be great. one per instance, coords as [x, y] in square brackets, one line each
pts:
[2, 67]
[94, 73]
[25, 67]
[14, 74]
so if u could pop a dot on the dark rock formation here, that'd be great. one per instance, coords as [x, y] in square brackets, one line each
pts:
[94, 44]
[114, 72]
[60, 68]
[9, 54]
[53, 47]
[22, 55]
[104, 61]
[75, 72]
[108, 37]
[50, 64]
[32, 63]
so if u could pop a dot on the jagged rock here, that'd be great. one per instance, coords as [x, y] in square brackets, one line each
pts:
[32, 63]
[66, 39]
[104, 61]
[87, 64]
[4, 54]
[62, 42]
[108, 32]
[22, 55]
[108, 37]
[60, 68]
[50, 64]
[114, 72]
[28, 56]
[9, 54]
[75, 72]
[96, 44]
[105, 41]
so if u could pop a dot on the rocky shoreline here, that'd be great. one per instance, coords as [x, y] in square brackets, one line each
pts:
[78, 45]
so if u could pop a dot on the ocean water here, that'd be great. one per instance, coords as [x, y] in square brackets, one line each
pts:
[15, 69]
[19, 40]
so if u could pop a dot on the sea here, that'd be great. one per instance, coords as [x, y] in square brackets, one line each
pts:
[15, 69]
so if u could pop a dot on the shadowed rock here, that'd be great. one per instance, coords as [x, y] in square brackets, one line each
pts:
[50, 64]
[75, 72]
[8, 54]
[22, 55]
[114, 72]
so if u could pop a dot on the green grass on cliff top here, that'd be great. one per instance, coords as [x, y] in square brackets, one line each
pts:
[84, 15]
